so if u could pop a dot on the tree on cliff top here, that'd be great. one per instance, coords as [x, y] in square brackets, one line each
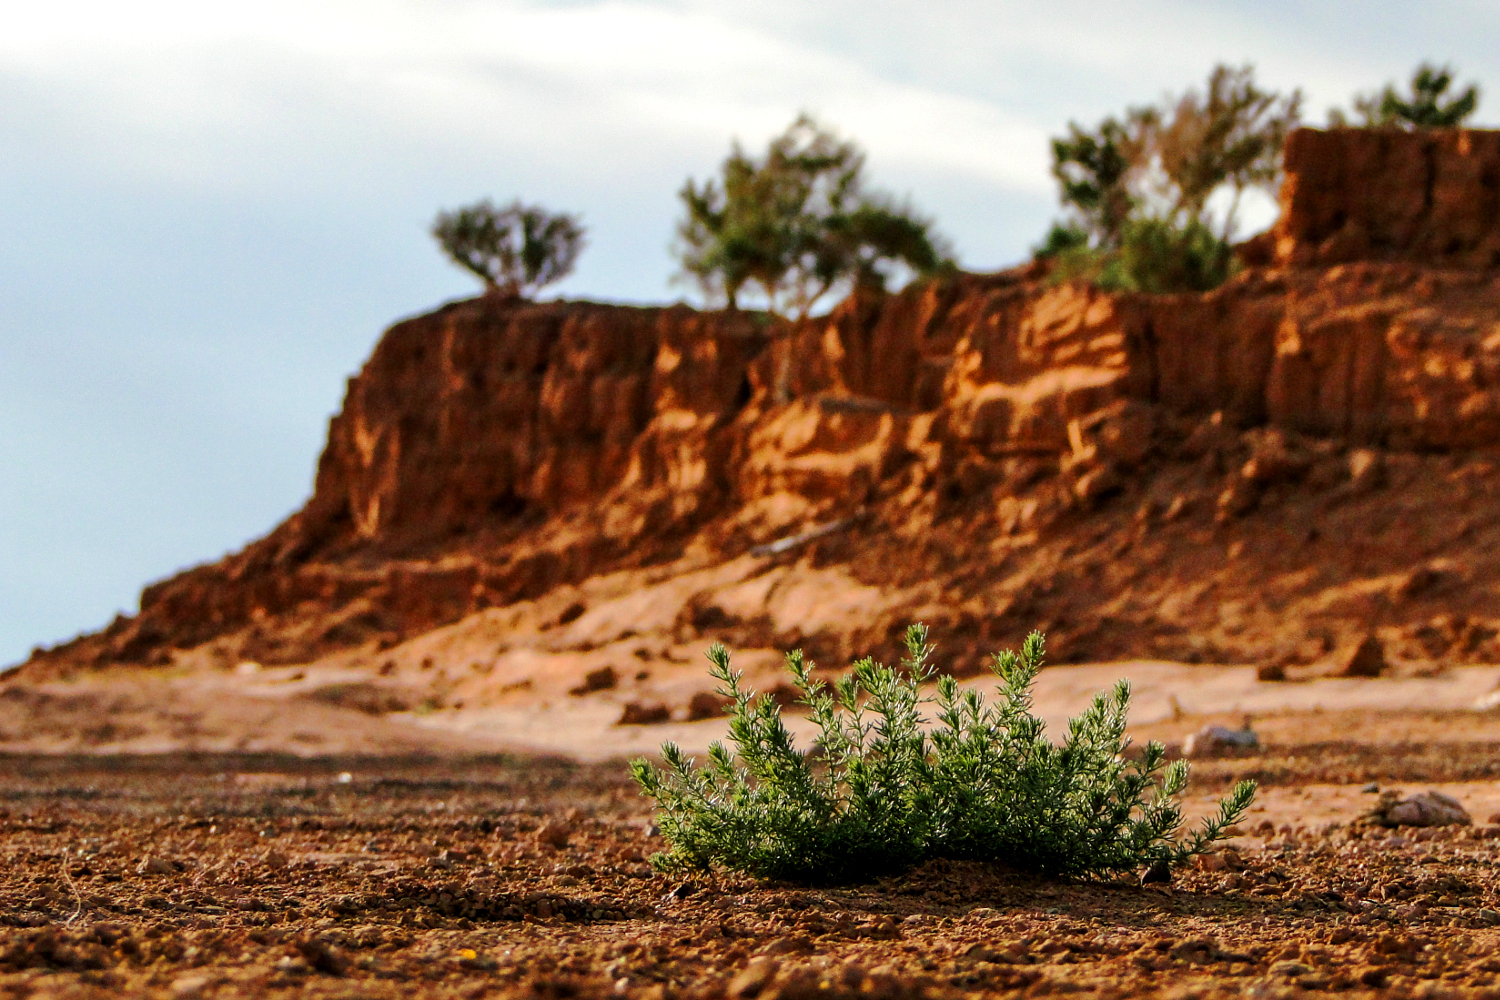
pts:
[1141, 189]
[513, 250]
[1424, 108]
[1167, 161]
[1094, 172]
[798, 224]
[1231, 135]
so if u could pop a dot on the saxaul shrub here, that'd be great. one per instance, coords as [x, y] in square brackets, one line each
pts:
[885, 788]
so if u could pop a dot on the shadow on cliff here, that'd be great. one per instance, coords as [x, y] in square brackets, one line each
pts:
[1272, 472]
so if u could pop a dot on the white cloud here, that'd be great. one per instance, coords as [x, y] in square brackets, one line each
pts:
[191, 89]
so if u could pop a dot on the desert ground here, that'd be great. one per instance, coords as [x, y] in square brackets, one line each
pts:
[464, 852]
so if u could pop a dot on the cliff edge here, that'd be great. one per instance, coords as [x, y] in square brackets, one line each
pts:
[1269, 473]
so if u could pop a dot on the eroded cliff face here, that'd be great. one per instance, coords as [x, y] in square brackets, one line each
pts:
[1430, 197]
[1247, 474]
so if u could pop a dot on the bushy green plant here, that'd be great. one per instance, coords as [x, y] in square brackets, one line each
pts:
[1154, 255]
[798, 224]
[1153, 195]
[883, 792]
[1427, 106]
[513, 250]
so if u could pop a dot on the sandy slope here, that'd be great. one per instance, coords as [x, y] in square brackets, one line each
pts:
[325, 709]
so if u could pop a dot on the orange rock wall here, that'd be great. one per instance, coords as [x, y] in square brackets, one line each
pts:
[495, 449]
[1430, 197]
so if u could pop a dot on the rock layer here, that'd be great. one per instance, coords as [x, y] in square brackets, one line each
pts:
[495, 451]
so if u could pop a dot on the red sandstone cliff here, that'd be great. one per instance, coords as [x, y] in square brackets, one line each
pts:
[1264, 472]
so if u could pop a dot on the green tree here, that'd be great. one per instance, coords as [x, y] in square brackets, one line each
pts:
[1138, 188]
[797, 224]
[513, 250]
[1425, 107]
[1095, 170]
[1229, 135]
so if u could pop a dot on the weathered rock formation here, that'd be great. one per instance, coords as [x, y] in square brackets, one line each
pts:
[1007, 452]
[1431, 198]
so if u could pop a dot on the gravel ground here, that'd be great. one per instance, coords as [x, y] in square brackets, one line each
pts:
[202, 876]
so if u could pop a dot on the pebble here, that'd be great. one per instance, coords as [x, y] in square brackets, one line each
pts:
[1289, 969]
[1213, 740]
[1430, 808]
[189, 986]
[554, 832]
[754, 978]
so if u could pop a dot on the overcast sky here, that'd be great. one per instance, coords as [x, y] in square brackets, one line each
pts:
[209, 211]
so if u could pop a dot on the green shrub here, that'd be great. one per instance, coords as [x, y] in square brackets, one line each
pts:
[1428, 105]
[1154, 255]
[799, 224]
[514, 250]
[883, 793]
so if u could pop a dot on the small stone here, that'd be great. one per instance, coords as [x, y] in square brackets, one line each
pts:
[1213, 740]
[754, 977]
[1430, 808]
[1271, 672]
[1289, 969]
[554, 832]
[152, 865]
[322, 956]
[706, 705]
[189, 986]
[1097, 483]
[1367, 660]
[638, 714]
[274, 860]
[596, 680]
[1238, 498]
[1371, 788]
[544, 909]
[1366, 470]
[1159, 873]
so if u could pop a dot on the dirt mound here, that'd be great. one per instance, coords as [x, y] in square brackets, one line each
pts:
[1274, 472]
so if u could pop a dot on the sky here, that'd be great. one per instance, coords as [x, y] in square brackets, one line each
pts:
[209, 211]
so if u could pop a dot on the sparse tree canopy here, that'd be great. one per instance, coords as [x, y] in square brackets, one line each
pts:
[798, 224]
[1231, 134]
[1139, 187]
[1094, 170]
[513, 250]
[1169, 160]
[1425, 107]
